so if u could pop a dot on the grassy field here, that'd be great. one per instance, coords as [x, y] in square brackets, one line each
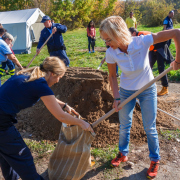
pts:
[76, 43]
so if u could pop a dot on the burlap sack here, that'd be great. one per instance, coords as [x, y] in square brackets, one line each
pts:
[71, 157]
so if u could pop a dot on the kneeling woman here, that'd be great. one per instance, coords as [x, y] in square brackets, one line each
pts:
[22, 91]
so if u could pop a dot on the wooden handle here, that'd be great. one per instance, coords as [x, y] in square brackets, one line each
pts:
[132, 96]
[39, 50]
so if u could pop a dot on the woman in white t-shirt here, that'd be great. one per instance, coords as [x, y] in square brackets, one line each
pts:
[131, 55]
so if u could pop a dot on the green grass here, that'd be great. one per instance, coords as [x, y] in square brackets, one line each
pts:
[76, 43]
[40, 149]
[170, 134]
[104, 154]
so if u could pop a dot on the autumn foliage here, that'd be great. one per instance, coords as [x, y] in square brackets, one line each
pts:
[77, 13]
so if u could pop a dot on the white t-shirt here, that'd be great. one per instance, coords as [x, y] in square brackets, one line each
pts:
[136, 71]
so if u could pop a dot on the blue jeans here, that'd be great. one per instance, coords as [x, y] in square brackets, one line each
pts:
[62, 55]
[148, 103]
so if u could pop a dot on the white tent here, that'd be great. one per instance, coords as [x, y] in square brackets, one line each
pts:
[25, 26]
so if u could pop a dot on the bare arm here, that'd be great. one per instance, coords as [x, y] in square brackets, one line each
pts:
[67, 108]
[166, 35]
[53, 106]
[164, 27]
[13, 58]
[114, 84]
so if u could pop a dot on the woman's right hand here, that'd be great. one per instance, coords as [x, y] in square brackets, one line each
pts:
[86, 126]
[115, 105]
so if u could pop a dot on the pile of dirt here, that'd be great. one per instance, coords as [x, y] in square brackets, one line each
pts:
[88, 92]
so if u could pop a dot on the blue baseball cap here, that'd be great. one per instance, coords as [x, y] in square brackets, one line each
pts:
[45, 18]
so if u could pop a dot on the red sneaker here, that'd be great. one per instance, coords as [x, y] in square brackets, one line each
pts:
[152, 171]
[120, 158]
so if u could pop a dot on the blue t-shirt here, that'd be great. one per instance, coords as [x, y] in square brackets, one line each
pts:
[17, 94]
[4, 50]
[168, 22]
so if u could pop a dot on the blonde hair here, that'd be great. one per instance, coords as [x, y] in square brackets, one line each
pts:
[50, 64]
[116, 28]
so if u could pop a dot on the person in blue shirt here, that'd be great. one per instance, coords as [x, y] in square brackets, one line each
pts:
[168, 24]
[8, 38]
[22, 91]
[6, 53]
[55, 44]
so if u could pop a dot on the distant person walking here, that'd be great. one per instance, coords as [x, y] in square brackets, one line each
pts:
[91, 34]
[168, 24]
[55, 44]
[131, 21]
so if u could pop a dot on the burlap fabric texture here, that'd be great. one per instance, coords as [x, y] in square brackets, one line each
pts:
[71, 157]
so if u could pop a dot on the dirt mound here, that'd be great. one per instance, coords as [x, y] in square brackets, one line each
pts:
[88, 91]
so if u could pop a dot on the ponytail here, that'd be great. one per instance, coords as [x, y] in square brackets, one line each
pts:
[50, 64]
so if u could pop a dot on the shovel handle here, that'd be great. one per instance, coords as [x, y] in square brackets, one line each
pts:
[39, 50]
[132, 96]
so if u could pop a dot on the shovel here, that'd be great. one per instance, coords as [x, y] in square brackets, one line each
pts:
[71, 157]
[132, 96]
[170, 115]
[40, 50]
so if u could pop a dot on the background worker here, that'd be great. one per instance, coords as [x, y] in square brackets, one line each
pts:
[131, 21]
[168, 24]
[157, 52]
[131, 55]
[91, 34]
[22, 91]
[55, 44]
[8, 38]
[6, 53]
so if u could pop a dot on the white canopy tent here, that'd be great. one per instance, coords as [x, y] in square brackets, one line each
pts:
[25, 26]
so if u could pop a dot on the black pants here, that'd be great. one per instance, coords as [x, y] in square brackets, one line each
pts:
[90, 44]
[15, 157]
[153, 57]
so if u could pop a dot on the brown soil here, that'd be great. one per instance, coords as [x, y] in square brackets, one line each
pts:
[88, 92]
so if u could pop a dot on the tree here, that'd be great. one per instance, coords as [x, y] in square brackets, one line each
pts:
[72, 12]
[102, 9]
[9, 5]
[133, 6]
[154, 12]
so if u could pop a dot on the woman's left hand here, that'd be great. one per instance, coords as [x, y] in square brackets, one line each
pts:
[70, 110]
[116, 104]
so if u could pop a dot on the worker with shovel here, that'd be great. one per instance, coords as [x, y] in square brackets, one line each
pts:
[22, 91]
[55, 44]
[131, 55]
